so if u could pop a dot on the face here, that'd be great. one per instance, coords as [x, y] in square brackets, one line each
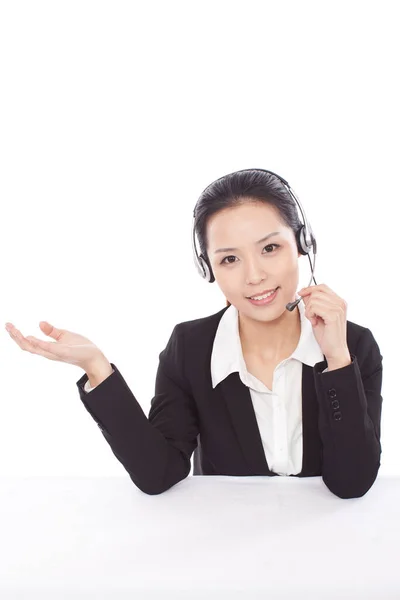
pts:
[248, 267]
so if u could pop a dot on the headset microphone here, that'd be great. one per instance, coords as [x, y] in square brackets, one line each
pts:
[292, 305]
[305, 240]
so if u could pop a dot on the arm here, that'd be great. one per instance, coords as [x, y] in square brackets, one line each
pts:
[350, 405]
[155, 451]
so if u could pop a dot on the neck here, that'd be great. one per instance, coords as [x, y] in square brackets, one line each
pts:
[270, 339]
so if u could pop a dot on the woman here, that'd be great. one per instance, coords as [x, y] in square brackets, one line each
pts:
[254, 389]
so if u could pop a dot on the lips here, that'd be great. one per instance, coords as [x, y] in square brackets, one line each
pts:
[262, 293]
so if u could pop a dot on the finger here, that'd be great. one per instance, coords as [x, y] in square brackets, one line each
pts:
[324, 309]
[320, 286]
[56, 350]
[29, 346]
[35, 349]
[22, 342]
[321, 291]
[50, 330]
[327, 289]
[317, 295]
[313, 291]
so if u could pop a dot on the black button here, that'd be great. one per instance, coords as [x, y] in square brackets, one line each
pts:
[335, 404]
[337, 415]
[332, 393]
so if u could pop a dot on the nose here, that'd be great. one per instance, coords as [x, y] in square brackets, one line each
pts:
[255, 274]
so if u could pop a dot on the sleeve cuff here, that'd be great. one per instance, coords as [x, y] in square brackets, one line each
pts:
[321, 367]
[88, 388]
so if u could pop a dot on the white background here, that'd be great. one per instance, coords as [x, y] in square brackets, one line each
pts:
[114, 117]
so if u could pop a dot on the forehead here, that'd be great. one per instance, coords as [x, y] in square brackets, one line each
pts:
[248, 222]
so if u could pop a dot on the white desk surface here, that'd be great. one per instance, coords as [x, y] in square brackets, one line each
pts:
[206, 537]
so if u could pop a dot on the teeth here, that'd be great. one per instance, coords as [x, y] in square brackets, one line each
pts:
[262, 297]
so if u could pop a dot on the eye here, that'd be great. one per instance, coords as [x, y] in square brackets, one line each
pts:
[231, 255]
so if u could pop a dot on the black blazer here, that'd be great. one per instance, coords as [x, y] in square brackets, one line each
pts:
[341, 417]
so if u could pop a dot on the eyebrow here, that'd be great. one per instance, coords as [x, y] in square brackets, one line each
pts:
[259, 242]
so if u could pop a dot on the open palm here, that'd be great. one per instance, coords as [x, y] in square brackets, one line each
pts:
[68, 346]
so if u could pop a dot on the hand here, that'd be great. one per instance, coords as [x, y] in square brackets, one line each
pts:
[69, 347]
[327, 313]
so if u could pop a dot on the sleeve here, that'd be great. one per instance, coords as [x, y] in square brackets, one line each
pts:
[155, 451]
[350, 405]
[88, 388]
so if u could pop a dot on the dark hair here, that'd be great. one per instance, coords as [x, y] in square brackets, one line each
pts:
[234, 189]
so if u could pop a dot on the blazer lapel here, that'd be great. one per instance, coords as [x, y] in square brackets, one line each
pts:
[312, 444]
[238, 400]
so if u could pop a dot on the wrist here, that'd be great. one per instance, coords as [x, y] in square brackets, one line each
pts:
[339, 362]
[98, 370]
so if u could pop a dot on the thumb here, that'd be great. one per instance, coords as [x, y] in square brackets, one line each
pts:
[50, 330]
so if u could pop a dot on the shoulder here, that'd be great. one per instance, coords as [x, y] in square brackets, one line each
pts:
[185, 333]
[201, 324]
[361, 341]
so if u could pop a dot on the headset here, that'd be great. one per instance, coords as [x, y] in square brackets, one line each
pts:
[305, 238]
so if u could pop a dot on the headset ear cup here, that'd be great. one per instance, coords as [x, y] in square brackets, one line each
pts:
[208, 274]
[301, 242]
